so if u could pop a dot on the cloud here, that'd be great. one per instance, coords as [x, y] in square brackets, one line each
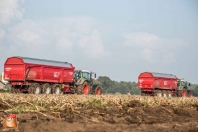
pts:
[64, 44]
[140, 39]
[10, 10]
[154, 48]
[147, 54]
[2, 34]
[28, 36]
[66, 38]
[92, 45]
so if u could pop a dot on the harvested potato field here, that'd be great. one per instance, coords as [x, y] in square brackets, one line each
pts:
[105, 113]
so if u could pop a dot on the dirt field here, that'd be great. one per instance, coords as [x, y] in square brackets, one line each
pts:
[133, 115]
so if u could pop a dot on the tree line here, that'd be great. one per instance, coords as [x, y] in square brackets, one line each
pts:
[112, 87]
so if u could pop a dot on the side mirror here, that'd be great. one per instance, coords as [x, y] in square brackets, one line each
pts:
[95, 75]
[189, 84]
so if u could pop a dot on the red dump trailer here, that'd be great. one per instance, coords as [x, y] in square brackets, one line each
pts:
[38, 75]
[160, 84]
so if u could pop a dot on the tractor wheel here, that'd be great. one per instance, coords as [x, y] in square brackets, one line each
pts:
[96, 89]
[84, 88]
[190, 94]
[37, 89]
[46, 88]
[184, 93]
[56, 89]
[179, 93]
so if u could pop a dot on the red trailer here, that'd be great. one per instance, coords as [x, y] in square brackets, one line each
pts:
[158, 84]
[38, 75]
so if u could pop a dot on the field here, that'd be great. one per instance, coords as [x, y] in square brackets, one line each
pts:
[105, 113]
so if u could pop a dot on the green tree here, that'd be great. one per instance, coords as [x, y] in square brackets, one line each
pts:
[122, 87]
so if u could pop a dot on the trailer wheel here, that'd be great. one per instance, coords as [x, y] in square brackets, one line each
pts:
[14, 90]
[31, 90]
[56, 89]
[96, 89]
[169, 94]
[164, 93]
[143, 93]
[84, 88]
[46, 88]
[37, 88]
[159, 93]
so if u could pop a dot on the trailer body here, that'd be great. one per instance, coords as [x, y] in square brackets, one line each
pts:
[23, 69]
[161, 84]
[151, 82]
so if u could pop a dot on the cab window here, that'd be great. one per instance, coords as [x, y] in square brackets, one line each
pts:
[86, 75]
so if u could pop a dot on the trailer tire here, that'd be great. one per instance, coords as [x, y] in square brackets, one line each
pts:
[30, 90]
[37, 89]
[46, 88]
[159, 93]
[96, 89]
[14, 90]
[56, 89]
[83, 88]
[164, 93]
[143, 94]
[169, 94]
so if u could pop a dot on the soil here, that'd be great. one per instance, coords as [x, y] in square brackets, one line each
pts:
[132, 117]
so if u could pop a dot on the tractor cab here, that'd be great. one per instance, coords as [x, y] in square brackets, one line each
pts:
[182, 84]
[84, 74]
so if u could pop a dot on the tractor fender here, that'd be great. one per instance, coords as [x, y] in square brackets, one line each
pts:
[96, 89]
[80, 81]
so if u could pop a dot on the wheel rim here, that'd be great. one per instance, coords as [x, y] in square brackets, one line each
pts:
[164, 94]
[98, 91]
[57, 90]
[191, 95]
[159, 94]
[184, 94]
[37, 91]
[47, 90]
[86, 89]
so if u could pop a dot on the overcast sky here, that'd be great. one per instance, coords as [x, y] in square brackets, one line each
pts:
[114, 38]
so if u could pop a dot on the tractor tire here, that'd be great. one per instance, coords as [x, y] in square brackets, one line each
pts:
[56, 89]
[37, 89]
[46, 88]
[96, 89]
[83, 88]
[184, 93]
[179, 93]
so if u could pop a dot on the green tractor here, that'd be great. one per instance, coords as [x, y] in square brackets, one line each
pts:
[84, 83]
[182, 89]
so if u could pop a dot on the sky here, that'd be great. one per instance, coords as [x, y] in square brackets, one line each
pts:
[115, 38]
